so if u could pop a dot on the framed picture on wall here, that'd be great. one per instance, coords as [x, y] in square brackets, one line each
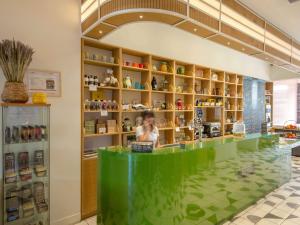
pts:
[48, 82]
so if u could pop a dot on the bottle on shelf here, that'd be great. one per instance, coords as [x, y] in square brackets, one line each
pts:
[154, 83]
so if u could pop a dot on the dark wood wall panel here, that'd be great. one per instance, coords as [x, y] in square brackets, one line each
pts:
[241, 36]
[237, 7]
[296, 62]
[277, 53]
[204, 18]
[118, 5]
[89, 21]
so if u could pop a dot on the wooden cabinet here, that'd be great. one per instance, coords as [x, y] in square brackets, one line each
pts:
[88, 187]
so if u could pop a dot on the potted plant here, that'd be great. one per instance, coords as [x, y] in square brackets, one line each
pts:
[15, 58]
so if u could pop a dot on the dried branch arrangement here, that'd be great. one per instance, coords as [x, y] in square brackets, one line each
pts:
[15, 58]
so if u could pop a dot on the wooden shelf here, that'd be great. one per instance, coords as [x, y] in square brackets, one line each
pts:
[98, 111]
[165, 128]
[100, 135]
[146, 97]
[163, 92]
[131, 68]
[128, 132]
[209, 106]
[183, 93]
[183, 76]
[100, 63]
[132, 111]
[184, 110]
[202, 78]
[132, 89]
[217, 81]
[105, 87]
[162, 73]
[163, 111]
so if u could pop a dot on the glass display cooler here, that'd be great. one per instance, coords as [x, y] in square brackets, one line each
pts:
[25, 164]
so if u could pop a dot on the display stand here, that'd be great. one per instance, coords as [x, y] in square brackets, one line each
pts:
[25, 159]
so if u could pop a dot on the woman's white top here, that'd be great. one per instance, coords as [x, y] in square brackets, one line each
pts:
[153, 136]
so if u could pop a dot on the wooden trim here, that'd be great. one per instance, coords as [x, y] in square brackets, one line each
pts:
[277, 53]
[119, 5]
[245, 12]
[296, 62]
[204, 18]
[4, 104]
[90, 21]
[273, 30]
[296, 45]
[230, 31]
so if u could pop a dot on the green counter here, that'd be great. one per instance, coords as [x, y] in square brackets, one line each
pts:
[204, 184]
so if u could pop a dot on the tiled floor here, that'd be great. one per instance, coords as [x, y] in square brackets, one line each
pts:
[279, 207]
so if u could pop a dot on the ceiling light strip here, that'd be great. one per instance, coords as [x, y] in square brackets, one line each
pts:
[278, 40]
[213, 3]
[278, 47]
[296, 51]
[86, 5]
[89, 11]
[241, 27]
[209, 10]
[241, 19]
[296, 55]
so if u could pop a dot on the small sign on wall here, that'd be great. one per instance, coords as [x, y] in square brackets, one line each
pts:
[48, 82]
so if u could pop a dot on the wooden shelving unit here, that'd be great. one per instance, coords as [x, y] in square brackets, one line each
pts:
[269, 104]
[184, 81]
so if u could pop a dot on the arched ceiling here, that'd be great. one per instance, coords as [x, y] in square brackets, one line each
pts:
[227, 22]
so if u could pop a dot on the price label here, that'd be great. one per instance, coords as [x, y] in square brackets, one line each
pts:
[103, 113]
[177, 129]
[92, 88]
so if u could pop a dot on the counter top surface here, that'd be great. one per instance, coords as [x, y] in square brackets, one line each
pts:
[196, 145]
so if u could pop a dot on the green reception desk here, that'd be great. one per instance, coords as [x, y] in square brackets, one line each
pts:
[204, 184]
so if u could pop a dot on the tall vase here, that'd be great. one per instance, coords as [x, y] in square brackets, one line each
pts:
[14, 92]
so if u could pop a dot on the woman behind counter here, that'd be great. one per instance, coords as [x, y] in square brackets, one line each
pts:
[148, 131]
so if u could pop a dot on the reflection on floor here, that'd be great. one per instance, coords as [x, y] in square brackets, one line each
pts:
[279, 207]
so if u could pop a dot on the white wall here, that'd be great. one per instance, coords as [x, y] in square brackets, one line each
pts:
[165, 40]
[285, 101]
[278, 73]
[52, 28]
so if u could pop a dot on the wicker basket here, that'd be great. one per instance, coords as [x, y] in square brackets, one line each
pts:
[14, 93]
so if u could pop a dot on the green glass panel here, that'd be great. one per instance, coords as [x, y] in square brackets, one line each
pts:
[205, 183]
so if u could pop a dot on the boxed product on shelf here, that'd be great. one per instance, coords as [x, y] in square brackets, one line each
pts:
[89, 126]
[111, 126]
[10, 168]
[39, 164]
[23, 163]
[101, 128]
[39, 197]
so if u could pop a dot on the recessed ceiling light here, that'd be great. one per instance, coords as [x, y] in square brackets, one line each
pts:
[195, 29]
[100, 32]
[141, 16]
[228, 43]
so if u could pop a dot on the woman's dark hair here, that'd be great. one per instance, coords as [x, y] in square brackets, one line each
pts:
[147, 114]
